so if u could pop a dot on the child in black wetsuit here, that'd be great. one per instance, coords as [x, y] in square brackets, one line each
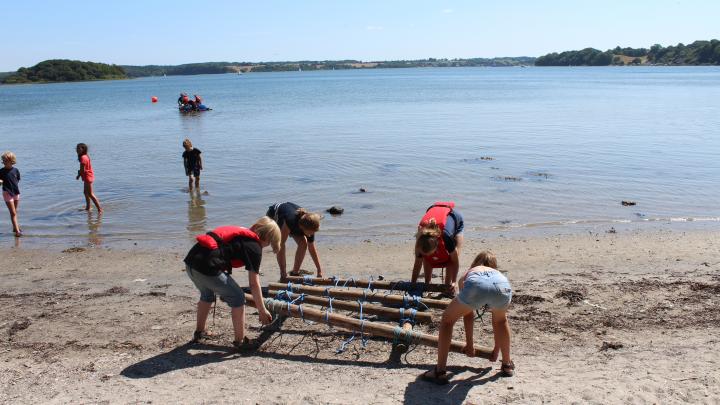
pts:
[302, 225]
[9, 178]
[193, 164]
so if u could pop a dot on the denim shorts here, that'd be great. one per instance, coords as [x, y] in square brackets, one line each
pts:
[222, 285]
[486, 288]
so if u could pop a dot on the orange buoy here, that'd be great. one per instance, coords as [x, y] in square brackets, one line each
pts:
[154, 99]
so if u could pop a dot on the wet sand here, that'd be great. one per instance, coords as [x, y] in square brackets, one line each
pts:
[596, 318]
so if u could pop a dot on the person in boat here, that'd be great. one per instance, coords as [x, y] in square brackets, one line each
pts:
[438, 241]
[484, 288]
[183, 99]
[198, 100]
[209, 265]
[302, 225]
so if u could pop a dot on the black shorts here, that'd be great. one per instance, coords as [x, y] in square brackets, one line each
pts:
[193, 172]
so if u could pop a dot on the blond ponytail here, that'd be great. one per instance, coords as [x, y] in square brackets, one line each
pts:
[268, 231]
[426, 238]
[309, 221]
[485, 258]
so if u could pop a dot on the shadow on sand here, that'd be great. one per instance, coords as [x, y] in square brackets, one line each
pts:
[455, 392]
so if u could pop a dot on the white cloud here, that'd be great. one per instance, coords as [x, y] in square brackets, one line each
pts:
[448, 10]
[374, 28]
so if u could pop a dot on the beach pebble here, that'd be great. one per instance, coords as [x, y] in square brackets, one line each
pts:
[628, 203]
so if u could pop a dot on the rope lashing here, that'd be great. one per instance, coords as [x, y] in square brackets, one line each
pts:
[410, 319]
[370, 281]
[307, 280]
[326, 292]
[351, 279]
[329, 310]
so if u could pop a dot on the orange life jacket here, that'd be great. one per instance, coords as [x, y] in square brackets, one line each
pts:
[220, 238]
[439, 212]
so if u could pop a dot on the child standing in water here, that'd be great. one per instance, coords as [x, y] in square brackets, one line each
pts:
[193, 163]
[9, 178]
[87, 175]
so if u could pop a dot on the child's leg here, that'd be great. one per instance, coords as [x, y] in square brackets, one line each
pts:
[203, 309]
[300, 252]
[452, 313]
[501, 331]
[197, 181]
[93, 198]
[190, 182]
[238, 320]
[86, 193]
[13, 215]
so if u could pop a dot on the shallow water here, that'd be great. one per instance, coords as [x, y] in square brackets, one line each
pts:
[567, 145]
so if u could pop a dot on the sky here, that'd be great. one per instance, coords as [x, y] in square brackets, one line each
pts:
[145, 32]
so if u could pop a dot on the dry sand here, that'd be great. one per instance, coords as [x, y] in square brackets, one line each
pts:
[631, 317]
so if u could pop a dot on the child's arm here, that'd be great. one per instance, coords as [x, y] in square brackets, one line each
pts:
[254, 279]
[316, 259]
[81, 171]
[416, 268]
[200, 166]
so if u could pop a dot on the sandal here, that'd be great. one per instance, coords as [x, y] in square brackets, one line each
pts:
[507, 369]
[294, 273]
[245, 345]
[199, 335]
[436, 376]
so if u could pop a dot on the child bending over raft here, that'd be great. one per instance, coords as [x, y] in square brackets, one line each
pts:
[87, 175]
[209, 265]
[9, 178]
[482, 287]
[302, 225]
[438, 242]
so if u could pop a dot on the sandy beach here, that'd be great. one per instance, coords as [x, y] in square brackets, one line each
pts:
[626, 317]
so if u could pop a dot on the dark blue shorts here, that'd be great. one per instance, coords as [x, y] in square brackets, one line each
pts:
[193, 172]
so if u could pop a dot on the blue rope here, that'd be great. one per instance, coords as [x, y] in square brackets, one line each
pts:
[349, 280]
[326, 293]
[307, 280]
[290, 286]
[370, 281]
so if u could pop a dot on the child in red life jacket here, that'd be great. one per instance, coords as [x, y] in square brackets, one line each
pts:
[209, 265]
[438, 242]
[87, 175]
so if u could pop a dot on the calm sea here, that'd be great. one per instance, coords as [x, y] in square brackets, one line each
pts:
[517, 149]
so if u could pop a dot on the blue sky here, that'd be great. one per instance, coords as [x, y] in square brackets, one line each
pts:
[174, 32]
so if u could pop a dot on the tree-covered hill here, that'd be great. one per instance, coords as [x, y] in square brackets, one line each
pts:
[697, 53]
[62, 70]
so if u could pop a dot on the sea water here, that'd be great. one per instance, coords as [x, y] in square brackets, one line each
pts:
[517, 150]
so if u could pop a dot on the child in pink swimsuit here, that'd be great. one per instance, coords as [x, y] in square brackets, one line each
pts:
[9, 178]
[87, 175]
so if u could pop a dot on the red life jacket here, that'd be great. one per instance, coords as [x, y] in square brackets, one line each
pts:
[439, 212]
[185, 99]
[198, 100]
[226, 234]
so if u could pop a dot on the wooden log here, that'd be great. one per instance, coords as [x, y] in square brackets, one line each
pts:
[370, 328]
[379, 285]
[374, 296]
[392, 313]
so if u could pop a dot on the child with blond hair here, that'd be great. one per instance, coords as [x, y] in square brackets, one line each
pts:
[9, 178]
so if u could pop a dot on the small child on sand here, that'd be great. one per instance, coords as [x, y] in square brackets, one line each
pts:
[482, 287]
[9, 178]
[193, 163]
[87, 175]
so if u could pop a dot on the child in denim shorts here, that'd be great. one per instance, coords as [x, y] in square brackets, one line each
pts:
[482, 287]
